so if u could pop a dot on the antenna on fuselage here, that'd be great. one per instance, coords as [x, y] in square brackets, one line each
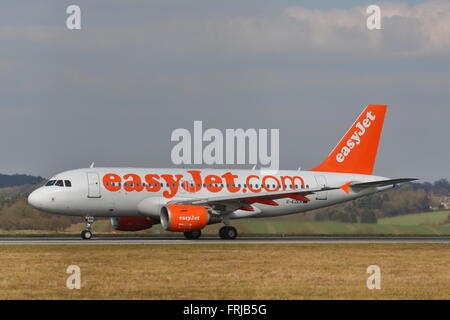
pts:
[92, 165]
[254, 167]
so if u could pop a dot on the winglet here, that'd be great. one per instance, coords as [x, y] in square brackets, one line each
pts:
[346, 187]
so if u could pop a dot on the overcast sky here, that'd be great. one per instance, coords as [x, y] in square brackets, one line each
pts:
[114, 91]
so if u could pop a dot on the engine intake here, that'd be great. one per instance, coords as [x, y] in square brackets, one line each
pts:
[179, 217]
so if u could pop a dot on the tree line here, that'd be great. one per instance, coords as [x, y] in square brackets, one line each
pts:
[14, 180]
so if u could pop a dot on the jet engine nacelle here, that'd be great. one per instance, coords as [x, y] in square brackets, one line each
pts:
[180, 217]
[132, 223]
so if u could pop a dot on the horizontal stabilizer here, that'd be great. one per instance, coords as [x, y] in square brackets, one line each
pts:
[382, 183]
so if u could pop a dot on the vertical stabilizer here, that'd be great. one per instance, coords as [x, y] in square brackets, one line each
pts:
[357, 151]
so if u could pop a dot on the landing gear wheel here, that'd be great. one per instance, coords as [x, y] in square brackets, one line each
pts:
[193, 235]
[86, 234]
[228, 233]
[221, 233]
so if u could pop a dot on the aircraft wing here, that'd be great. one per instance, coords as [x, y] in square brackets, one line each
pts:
[260, 197]
[244, 201]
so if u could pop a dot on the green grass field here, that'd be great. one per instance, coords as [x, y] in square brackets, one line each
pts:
[336, 228]
[427, 218]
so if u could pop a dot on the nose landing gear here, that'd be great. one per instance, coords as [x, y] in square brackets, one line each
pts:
[86, 234]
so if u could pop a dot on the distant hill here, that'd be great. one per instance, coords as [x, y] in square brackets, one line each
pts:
[16, 214]
[18, 180]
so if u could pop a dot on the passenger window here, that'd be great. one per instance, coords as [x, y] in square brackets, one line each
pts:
[59, 183]
[67, 183]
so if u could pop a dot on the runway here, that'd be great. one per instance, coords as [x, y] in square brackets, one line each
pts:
[214, 240]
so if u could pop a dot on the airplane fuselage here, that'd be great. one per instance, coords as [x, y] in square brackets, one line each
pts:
[139, 192]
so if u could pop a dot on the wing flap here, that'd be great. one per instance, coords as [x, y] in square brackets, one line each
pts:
[272, 195]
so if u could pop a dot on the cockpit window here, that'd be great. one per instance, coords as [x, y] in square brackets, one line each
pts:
[50, 183]
[59, 183]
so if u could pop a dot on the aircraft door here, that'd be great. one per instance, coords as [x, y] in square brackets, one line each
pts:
[321, 183]
[93, 185]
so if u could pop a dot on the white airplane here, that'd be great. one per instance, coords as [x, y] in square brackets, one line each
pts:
[186, 200]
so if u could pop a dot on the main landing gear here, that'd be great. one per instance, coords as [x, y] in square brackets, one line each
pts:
[193, 235]
[86, 234]
[228, 233]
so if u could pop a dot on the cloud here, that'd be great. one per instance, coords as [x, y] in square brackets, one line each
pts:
[421, 29]
[407, 30]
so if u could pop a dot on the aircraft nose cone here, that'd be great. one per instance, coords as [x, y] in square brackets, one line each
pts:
[34, 199]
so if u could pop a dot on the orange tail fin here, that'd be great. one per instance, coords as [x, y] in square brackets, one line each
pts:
[357, 151]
